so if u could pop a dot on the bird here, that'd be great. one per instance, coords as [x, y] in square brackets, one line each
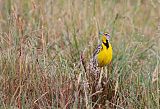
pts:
[103, 53]
[102, 56]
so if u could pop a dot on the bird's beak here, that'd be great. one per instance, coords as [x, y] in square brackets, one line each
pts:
[100, 33]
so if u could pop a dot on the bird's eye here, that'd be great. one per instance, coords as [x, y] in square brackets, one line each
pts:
[106, 34]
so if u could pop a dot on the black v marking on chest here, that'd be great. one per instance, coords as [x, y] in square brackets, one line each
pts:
[106, 44]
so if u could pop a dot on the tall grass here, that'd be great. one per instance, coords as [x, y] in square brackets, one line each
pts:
[41, 42]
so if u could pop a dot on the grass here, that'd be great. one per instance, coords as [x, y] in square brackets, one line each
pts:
[41, 43]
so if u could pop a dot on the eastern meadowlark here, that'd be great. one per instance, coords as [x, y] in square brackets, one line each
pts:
[103, 53]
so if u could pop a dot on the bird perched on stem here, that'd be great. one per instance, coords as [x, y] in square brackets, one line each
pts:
[99, 83]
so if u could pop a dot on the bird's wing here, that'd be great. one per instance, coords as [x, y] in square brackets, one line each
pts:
[93, 65]
[98, 49]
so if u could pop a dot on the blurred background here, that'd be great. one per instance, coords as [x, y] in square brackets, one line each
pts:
[41, 42]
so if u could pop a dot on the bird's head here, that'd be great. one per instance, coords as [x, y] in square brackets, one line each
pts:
[105, 36]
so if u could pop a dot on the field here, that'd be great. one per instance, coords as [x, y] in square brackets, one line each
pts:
[42, 41]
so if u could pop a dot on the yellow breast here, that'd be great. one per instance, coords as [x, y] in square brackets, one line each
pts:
[104, 57]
